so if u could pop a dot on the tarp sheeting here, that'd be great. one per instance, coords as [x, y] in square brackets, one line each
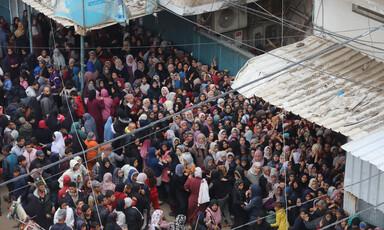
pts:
[97, 13]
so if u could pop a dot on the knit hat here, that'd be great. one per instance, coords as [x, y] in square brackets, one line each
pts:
[128, 202]
[22, 120]
[95, 183]
[61, 213]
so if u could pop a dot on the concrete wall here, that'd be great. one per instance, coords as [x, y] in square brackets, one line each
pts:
[179, 31]
[337, 16]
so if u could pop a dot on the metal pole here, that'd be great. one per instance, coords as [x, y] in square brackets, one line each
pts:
[30, 28]
[82, 61]
[82, 51]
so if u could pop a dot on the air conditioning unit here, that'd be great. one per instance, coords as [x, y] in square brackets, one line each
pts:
[229, 19]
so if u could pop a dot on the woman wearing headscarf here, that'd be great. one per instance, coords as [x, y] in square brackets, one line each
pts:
[156, 220]
[177, 185]
[213, 215]
[254, 173]
[42, 133]
[95, 108]
[258, 157]
[141, 70]
[238, 202]
[131, 67]
[105, 167]
[58, 59]
[21, 37]
[192, 185]
[75, 128]
[107, 183]
[218, 192]
[52, 122]
[200, 149]
[91, 73]
[13, 61]
[120, 69]
[108, 103]
[268, 153]
[95, 61]
[57, 144]
[154, 91]
[164, 93]
[90, 124]
[209, 165]
[161, 71]
[179, 223]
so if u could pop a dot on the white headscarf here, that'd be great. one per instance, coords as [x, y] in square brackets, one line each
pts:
[198, 172]
[296, 157]
[58, 143]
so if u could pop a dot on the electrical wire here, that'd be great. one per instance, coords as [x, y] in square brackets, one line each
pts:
[311, 57]
[210, 99]
[96, 157]
[299, 62]
[322, 31]
[147, 47]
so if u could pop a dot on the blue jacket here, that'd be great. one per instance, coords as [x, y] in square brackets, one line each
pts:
[8, 163]
[20, 188]
[8, 85]
[130, 174]
[255, 205]
[154, 163]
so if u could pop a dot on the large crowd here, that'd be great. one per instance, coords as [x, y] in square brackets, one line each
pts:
[231, 162]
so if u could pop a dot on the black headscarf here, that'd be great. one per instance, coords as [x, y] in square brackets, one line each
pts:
[52, 122]
[92, 95]
[104, 170]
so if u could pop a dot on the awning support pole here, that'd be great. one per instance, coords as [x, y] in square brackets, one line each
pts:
[30, 28]
[82, 51]
[82, 61]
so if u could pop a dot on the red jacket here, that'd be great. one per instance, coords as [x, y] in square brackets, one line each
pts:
[79, 107]
[62, 191]
[119, 196]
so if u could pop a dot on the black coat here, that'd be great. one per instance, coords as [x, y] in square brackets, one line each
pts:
[134, 218]
[70, 201]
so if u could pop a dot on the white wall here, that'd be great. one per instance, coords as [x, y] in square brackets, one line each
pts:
[337, 16]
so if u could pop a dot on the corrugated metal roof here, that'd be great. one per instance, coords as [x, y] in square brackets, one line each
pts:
[369, 148]
[313, 95]
[364, 170]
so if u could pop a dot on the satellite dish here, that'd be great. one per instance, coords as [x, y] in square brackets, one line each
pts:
[226, 18]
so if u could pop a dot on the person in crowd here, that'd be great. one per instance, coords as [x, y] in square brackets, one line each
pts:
[113, 158]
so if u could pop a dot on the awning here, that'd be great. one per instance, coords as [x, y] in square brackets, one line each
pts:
[97, 13]
[343, 105]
